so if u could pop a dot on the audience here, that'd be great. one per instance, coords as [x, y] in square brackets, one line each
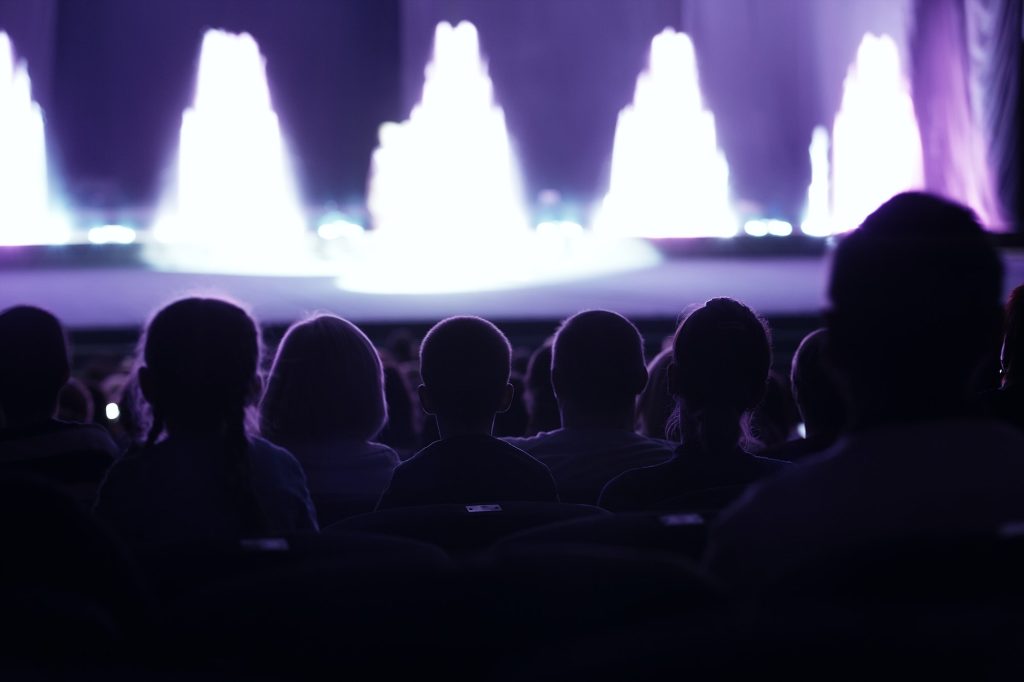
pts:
[465, 364]
[917, 286]
[34, 368]
[721, 358]
[597, 371]
[207, 479]
[655, 405]
[817, 397]
[540, 396]
[325, 403]
[1007, 403]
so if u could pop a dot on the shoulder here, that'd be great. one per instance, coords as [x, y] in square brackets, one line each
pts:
[621, 492]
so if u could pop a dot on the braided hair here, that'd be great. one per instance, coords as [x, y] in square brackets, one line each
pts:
[204, 355]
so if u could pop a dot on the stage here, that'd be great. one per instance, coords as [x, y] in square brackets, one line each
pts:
[120, 296]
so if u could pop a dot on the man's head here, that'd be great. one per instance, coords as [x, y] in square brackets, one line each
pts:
[597, 365]
[465, 364]
[915, 306]
[814, 387]
[33, 364]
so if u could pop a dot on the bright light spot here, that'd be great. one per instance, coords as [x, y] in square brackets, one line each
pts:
[113, 412]
[801, 430]
[876, 145]
[779, 228]
[818, 219]
[448, 172]
[668, 177]
[234, 187]
[25, 216]
[560, 228]
[112, 234]
[340, 229]
[756, 228]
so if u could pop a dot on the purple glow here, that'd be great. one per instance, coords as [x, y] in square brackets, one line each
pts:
[668, 177]
[876, 145]
[234, 187]
[25, 216]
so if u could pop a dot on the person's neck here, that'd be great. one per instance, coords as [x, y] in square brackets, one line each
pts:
[450, 428]
[622, 419]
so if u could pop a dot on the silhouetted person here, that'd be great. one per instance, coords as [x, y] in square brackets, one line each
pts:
[34, 367]
[817, 397]
[208, 479]
[325, 404]
[916, 286]
[776, 417]
[400, 433]
[597, 371]
[1007, 403]
[540, 395]
[721, 357]
[512, 422]
[465, 366]
[654, 405]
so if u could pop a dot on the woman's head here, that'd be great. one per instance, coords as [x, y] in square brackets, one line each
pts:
[200, 360]
[327, 381]
[721, 359]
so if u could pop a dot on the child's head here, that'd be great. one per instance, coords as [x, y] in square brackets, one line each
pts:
[200, 360]
[465, 364]
[327, 382]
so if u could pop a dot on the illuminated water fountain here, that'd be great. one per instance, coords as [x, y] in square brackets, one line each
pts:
[668, 176]
[445, 196]
[25, 216]
[233, 193]
[876, 145]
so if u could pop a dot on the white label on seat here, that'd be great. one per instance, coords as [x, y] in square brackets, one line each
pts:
[476, 508]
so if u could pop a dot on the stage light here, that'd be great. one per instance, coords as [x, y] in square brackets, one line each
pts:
[559, 228]
[112, 234]
[779, 228]
[756, 228]
[340, 229]
[113, 412]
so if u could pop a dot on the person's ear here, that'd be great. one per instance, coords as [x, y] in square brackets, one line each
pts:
[506, 398]
[426, 399]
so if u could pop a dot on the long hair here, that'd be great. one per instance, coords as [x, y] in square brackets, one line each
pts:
[204, 354]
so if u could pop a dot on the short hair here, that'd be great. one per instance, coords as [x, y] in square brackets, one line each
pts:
[465, 363]
[722, 354]
[597, 361]
[1013, 340]
[918, 284]
[327, 381]
[34, 363]
[815, 390]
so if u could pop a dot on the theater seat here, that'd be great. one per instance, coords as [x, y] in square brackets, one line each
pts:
[709, 501]
[682, 534]
[461, 528]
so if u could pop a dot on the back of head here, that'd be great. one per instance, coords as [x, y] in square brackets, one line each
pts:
[327, 382]
[915, 302]
[814, 386]
[597, 363]
[1013, 340]
[654, 405]
[34, 363]
[201, 357]
[540, 396]
[722, 355]
[465, 363]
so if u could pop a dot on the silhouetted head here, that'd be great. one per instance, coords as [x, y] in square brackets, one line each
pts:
[721, 358]
[655, 404]
[465, 364]
[200, 359]
[540, 396]
[814, 387]
[915, 308]
[34, 364]
[1012, 356]
[327, 382]
[597, 365]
